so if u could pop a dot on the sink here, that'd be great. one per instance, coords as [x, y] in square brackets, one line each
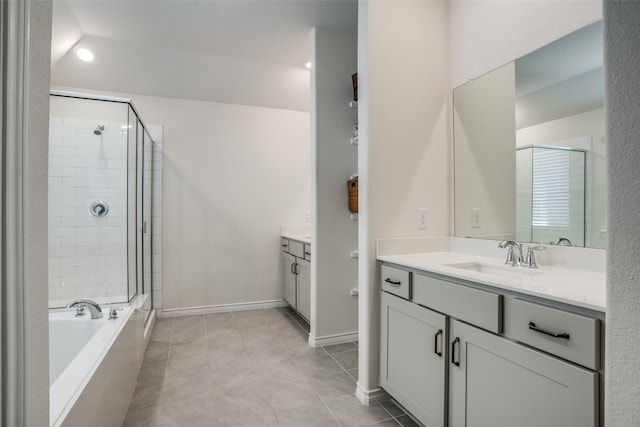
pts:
[496, 270]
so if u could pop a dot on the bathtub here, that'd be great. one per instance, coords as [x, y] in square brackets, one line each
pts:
[93, 366]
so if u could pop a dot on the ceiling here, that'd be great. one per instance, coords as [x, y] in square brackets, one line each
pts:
[250, 52]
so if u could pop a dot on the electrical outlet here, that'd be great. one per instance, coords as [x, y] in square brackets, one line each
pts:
[475, 218]
[421, 221]
[307, 217]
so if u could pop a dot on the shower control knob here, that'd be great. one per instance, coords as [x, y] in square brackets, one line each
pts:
[99, 208]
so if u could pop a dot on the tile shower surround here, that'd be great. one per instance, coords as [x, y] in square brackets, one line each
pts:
[87, 254]
[250, 368]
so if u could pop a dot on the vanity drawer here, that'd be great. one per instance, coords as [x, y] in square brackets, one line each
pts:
[577, 337]
[284, 244]
[307, 252]
[480, 308]
[296, 248]
[395, 281]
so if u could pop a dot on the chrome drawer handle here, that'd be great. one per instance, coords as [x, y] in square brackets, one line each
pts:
[562, 335]
[391, 282]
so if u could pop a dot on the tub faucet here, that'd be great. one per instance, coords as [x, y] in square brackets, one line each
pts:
[94, 308]
[514, 254]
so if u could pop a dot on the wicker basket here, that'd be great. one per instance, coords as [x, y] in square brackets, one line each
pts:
[352, 186]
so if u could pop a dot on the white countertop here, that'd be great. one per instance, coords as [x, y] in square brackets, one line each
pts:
[576, 287]
[298, 237]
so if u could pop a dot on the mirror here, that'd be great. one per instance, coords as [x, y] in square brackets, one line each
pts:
[529, 147]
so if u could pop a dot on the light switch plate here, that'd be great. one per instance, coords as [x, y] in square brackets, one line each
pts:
[421, 220]
[475, 218]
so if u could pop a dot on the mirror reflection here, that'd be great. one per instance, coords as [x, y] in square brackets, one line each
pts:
[529, 147]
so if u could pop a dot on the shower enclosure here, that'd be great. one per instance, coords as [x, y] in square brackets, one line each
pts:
[100, 201]
[551, 190]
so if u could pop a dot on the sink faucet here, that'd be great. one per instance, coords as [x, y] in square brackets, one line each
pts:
[94, 308]
[562, 241]
[514, 254]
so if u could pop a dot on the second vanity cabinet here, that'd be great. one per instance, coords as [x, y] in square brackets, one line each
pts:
[296, 265]
[456, 354]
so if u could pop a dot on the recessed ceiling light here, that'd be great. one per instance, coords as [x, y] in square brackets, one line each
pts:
[85, 54]
[308, 65]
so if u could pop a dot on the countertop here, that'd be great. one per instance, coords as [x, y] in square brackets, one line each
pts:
[576, 287]
[298, 237]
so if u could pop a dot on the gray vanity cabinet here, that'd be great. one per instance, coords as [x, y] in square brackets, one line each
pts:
[496, 382]
[414, 358]
[296, 269]
[289, 279]
[459, 354]
[303, 303]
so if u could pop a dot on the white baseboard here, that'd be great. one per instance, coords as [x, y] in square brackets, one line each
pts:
[333, 339]
[222, 308]
[371, 397]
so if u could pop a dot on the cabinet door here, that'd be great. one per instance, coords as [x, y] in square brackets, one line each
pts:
[413, 358]
[289, 278]
[304, 288]
[499, 383]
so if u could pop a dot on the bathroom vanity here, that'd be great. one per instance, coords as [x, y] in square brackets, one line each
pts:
[296, 266]
[467, 341]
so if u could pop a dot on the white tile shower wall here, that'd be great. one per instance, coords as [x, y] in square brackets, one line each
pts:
[87, 254]
[156, 133]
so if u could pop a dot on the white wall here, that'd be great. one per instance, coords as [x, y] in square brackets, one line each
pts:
[334, 311]
[231, 176]
[622, 65]
[484, 127]
[487, 34]
[404, 152]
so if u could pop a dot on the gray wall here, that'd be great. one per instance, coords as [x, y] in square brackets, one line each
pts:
[622, 74]
[36, 222]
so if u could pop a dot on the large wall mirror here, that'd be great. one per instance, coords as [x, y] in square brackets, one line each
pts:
[529, 147]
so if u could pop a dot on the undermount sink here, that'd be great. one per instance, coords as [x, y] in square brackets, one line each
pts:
[495, 270]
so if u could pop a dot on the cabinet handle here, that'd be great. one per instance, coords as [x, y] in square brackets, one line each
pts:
[392, 282]
[562, 335]
[435, 345]
[284, 245]
[293, 268]
[307, 253]
[453, 352]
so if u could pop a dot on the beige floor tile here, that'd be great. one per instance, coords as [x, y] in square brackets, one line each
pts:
[244, 369]
[306, 416]
[351, 413]
[334, 385]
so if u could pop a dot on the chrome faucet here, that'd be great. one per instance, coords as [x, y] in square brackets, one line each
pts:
[562, 241]
[80, 304]
[530, 261]
[514, 254]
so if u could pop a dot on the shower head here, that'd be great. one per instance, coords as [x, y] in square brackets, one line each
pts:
[99, 129]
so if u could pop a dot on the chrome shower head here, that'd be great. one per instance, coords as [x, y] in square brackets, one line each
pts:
[99, 129]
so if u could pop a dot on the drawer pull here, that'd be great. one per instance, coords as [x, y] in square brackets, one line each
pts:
[392, 282]
[435, 350]
[453, 352]
[562, 335]
[308, 253]
[284, 245]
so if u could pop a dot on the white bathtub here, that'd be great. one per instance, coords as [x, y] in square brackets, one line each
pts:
[87, 359]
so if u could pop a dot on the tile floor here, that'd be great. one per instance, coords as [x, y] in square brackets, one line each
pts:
[250, 368]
